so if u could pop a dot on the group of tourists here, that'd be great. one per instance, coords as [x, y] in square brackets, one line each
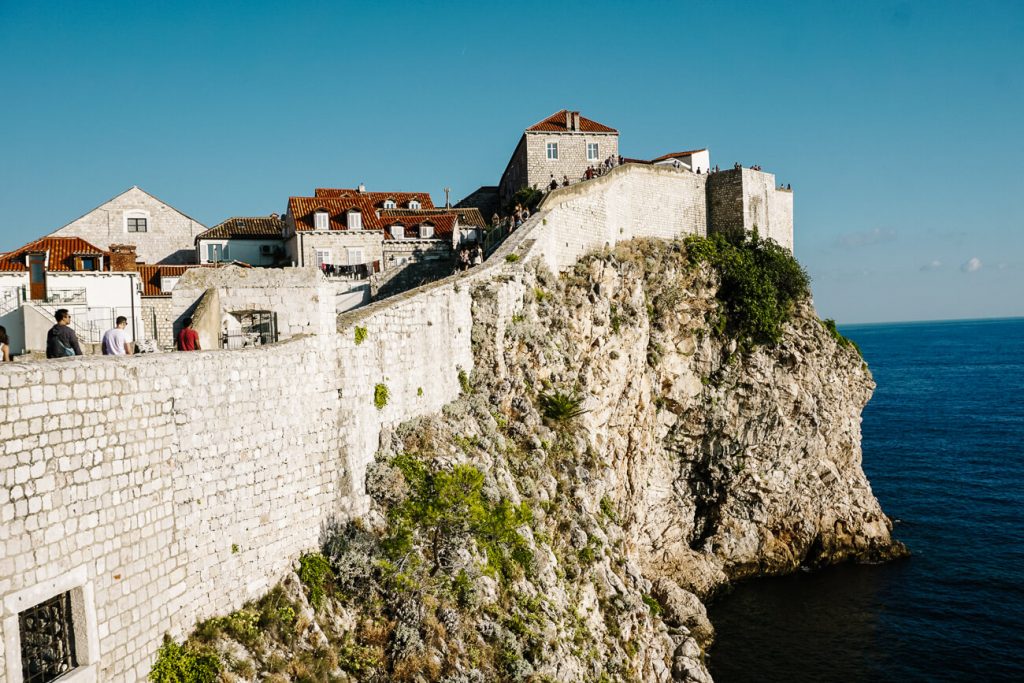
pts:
[62, 341]
[470, 256]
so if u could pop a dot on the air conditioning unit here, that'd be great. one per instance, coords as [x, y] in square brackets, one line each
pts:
[266, 249]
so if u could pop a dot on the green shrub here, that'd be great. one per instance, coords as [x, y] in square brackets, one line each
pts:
[527, 197]
[512, 258]
[830, 325]
[360, 335]
[560, 406]
[442, 506]
[760, 282]
[652, 604]
[381, 396]
[608, 509]
[185, 664]
[314, 572]
[464, 383]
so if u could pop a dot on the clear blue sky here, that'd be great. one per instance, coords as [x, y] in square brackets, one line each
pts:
[898, 124]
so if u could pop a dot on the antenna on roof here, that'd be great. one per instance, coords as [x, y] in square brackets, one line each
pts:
[447, 203]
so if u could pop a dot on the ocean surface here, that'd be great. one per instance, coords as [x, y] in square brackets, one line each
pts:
[944, 451]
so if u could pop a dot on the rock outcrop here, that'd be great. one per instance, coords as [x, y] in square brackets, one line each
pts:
[632, 460]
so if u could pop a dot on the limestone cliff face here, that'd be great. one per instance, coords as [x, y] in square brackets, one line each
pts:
[693, 465]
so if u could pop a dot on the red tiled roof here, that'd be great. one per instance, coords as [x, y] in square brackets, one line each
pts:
[245, 228]
[556, 124]
[401, 199]
[151, 273]
[444, 225]
[468, 216]
[676, 155]
[303, 208]
[62, 251]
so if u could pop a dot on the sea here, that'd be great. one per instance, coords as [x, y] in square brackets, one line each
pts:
[943, 440]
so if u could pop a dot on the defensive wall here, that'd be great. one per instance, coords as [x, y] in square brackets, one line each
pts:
[159, 490]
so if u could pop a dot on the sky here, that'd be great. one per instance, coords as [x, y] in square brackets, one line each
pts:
[898, 124]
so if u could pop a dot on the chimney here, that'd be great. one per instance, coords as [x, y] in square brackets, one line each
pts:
[122, 258]
[362, 188]
[575, 120]
[274, 215]
[568, 120]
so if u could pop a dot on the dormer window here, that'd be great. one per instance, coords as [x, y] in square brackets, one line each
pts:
[355, 220]
[414, 204]
[321, 220]
[389, 204]
[397, 231]
[426, 231]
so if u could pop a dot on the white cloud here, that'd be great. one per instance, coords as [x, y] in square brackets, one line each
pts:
[932, 265]
[866, 237]
[971, 265]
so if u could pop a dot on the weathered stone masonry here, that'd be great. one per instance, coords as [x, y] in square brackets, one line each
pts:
[168, 488]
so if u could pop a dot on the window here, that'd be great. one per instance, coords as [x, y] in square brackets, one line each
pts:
[321, 220]
[323, 256]
[389, 204]
[552, 150]
[414, 204]
[355, 220]
[167, 284]
[136, 224]
[266, 249]
[216, 253]
[397, 231]
[355, 257]
[426, 231]
[592, 153]
[47, 640]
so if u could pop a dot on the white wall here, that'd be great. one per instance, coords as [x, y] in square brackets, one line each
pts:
[246, 251]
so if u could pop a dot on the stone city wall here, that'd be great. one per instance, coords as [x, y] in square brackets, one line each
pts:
[164, 489]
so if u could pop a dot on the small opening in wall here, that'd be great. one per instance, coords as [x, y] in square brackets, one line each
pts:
[47, 635]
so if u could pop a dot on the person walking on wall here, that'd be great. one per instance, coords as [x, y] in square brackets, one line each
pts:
[188, 339]
[5, 345]
[115, 341]
[61, 340]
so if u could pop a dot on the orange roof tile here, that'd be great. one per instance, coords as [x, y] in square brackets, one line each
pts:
[676, 155]
[337, 208]
[556, 124]
[401, 199]
[62, 251]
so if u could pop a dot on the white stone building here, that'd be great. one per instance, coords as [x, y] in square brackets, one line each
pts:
[562, 145]
[159, 232]
[696, 160]
[255, 240]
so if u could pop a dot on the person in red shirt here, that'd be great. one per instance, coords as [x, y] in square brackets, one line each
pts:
[188, 339]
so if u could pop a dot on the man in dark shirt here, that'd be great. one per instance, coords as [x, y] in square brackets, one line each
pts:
[61, 340]
[188, 339]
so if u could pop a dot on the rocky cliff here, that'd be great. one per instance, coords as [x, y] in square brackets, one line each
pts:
[616, 457]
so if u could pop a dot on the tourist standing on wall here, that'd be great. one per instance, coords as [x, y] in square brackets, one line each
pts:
[115, 341]
[5, 345]
[61, 340]
[188, 339]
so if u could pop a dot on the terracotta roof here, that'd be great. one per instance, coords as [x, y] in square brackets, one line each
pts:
[401, 199]
[245, 228]
[676, 155]
[62, 251]
[303, 208]
[444, 225]
[150, 274]
[469, 216]
[556, 124]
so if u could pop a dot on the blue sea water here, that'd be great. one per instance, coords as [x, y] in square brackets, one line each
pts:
[943, 442]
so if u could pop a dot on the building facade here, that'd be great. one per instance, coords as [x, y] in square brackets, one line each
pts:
[563, 145]
[255, 240]
[159, 232]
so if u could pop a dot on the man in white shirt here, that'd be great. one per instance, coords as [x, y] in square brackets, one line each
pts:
[115, 341]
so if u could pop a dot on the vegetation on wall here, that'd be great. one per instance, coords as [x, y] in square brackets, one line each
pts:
[360, 335]
[381, 396]
[760, 283]
[187, 663]
[830, 325]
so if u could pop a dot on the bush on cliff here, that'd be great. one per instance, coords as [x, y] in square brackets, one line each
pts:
[189, 663]
[760, 282]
